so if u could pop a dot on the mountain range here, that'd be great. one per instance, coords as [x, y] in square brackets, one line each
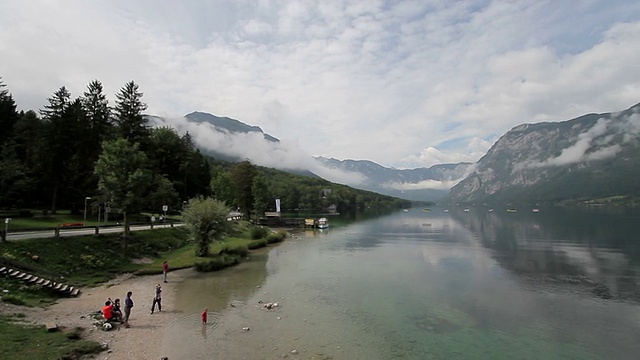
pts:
[589, 157]
[592, 156]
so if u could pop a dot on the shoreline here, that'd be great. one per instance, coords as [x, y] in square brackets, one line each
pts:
[143, 339]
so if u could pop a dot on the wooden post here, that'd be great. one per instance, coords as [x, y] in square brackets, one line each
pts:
[57, 232]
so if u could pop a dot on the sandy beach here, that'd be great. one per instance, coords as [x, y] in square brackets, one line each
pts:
[143, 339]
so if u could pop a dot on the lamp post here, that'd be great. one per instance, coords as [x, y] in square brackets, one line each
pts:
[85, 207]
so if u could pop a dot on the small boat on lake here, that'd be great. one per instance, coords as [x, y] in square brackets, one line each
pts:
[426, 210]
[322, 223]
[512, 210]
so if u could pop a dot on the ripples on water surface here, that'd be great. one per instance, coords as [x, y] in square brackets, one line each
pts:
[558, 284]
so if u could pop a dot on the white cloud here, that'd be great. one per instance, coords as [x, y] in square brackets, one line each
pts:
[601, 135]
[389, 82]
[426, 184]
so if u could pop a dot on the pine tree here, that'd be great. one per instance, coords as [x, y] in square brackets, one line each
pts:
[129, 117]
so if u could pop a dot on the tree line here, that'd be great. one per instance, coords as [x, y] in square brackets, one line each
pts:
[85, 147]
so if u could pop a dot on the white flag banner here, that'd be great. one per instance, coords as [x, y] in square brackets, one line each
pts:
[277, 205]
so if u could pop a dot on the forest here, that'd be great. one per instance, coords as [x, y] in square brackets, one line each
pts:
[85, 151]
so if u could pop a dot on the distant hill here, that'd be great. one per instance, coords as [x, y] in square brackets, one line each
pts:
[228, 124]
[424, 184]
[590, 157]
[232, 144]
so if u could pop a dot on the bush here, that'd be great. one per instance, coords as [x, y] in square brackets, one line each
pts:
[277, 237]
[256, 244]
[218, 263]
[239, 250]
[258, 233]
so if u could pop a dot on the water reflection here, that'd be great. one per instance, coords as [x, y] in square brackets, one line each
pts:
[219, 290]
[591, 250]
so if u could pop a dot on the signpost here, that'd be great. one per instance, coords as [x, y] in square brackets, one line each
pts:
[6, 229]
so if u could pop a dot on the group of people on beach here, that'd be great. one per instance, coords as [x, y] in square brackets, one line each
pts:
[112, 311]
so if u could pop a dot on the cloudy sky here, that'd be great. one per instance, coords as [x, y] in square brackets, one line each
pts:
[402, 83]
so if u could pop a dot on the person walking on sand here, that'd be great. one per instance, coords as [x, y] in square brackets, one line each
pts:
[157, 299]
[128, 304]
[165, 270]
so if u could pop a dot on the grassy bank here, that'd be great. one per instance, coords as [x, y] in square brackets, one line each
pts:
[24, 341]
[94, 259]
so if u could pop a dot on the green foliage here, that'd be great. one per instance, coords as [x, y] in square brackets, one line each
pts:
[129, 117]
[242, 176]
[218, 263]
[239, 250]
[122, 174]
[259, 232]
[206, 219]
[256, 244]
[24, 342]
[276, 237]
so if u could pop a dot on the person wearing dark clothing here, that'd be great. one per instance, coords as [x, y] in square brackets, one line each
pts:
[128, 304]
[157, 299]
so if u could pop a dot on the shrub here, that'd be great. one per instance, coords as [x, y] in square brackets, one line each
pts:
[258, 232]
[256, 244]
[276, 237]
[220, 262]
[239, 250]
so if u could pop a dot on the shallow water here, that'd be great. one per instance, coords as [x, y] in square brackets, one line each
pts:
[558, 284]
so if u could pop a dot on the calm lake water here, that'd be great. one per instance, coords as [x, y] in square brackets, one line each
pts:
[562, 283]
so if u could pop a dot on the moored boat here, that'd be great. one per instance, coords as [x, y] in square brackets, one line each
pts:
[322, 223]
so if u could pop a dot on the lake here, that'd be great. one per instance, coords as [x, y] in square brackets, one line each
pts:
[475, 283]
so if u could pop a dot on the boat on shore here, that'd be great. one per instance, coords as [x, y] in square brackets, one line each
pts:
[322, 223]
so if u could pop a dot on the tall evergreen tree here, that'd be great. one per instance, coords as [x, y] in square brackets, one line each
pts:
[96, 106]
[8, 114]
[129, 117]
[57, 142]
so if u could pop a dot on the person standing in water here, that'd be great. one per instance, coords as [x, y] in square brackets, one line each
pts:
[204, 316]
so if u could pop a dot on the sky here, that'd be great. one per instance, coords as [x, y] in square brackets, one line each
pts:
[405, 84]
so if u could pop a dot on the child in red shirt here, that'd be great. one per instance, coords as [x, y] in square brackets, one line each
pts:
[204, 317]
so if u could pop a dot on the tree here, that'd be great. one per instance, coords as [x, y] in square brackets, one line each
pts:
[129, 117]
[162, 193]
[223, 189]
[96, 107]
[8, 114]
[58, 144]
[123, 177]
[242, 178]
[206, 219]
[261, 195]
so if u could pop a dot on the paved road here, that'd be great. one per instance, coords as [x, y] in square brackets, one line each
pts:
[67, 232]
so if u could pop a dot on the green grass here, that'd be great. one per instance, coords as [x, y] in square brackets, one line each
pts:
[94, 259]
[19, 341]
